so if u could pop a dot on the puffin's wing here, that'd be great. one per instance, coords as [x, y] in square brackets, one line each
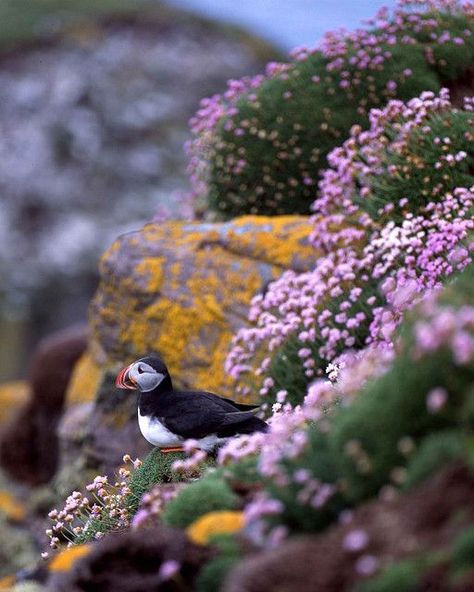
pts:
[226, 403]
[194, 416]
[237, 417]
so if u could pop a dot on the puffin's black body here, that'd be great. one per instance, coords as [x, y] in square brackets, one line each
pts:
[185, 414]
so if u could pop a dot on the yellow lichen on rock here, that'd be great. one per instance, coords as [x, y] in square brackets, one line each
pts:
[182, 289]
[13, 396]
[84, 382]
[7, 582]
[11, 507]
[214, 523]
[66, 559]
[152, 269]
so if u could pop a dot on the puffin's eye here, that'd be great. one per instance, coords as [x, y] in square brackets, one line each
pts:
[140, 371]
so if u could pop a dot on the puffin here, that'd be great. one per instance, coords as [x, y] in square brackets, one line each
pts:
[167, 417]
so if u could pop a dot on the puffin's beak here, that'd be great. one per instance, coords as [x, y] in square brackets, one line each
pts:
[124, 381]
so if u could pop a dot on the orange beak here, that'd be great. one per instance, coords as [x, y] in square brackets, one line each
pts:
[124, 381]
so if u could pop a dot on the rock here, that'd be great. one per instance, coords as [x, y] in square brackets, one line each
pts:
[11, 507]
[103, 112]
[180, 289]
[183, 289]
[29, 445]
[13, 396]
[86, 378]
[16, 548]
[159, 558]
[379, 533]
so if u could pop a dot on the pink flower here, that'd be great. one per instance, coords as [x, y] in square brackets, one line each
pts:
[436, 399]
[366, 565]
[355, 540]
[168, 569]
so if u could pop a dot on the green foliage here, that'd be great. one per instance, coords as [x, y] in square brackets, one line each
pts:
[288, 139]
[367, 435]
[285, 368]
[266, 151]
[435, 451]
[463, 551]
[419, 170]
[318, 459]
[400, 577]
[212, 575]
[361, 447]
[156, 468]
[243, 472]
[200, 497]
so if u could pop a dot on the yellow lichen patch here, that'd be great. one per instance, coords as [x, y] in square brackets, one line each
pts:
[213, 523]
[84, 381]
[65, 560]
[190, 289]
[11, 507]
[13, 395]
[277, 240]
[7, 582]
[152, 269]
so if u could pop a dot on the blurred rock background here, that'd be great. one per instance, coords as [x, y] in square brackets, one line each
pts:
[94, 103]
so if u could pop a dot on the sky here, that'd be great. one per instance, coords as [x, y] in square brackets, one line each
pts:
[287, 23]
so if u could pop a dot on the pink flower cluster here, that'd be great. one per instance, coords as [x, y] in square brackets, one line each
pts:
[355, 292]
[365, 156]
[352, 59]
[373, 270]
[152, 505]
[281, 452]
[105, 501]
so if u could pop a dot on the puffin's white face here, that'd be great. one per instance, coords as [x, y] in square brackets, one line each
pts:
[144, 376]
[139, 375]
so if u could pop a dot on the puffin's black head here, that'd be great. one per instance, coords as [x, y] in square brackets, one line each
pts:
[146, 374]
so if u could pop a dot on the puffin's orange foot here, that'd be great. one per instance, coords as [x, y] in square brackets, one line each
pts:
[176, 449]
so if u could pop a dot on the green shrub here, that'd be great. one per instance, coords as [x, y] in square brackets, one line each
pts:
[400, 577]
[213, 574]
[156, 468]
[366, 443]
[436, 156]
[200, 497]
[463, 551]
[434, 451]
[319, 461]
[274, 132]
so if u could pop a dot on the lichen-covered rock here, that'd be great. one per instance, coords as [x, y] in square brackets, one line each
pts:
[182, 289]
[13, 395]
[85, 380]
[16, 548]
[29, 445]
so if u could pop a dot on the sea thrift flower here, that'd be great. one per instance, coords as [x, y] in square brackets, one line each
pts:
[436, 399]
[374, 269]
[168, 569]
[108, 502]
[355, 540]
[359, 69]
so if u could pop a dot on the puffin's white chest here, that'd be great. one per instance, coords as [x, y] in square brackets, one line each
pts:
[156, 433]
[160, 436]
